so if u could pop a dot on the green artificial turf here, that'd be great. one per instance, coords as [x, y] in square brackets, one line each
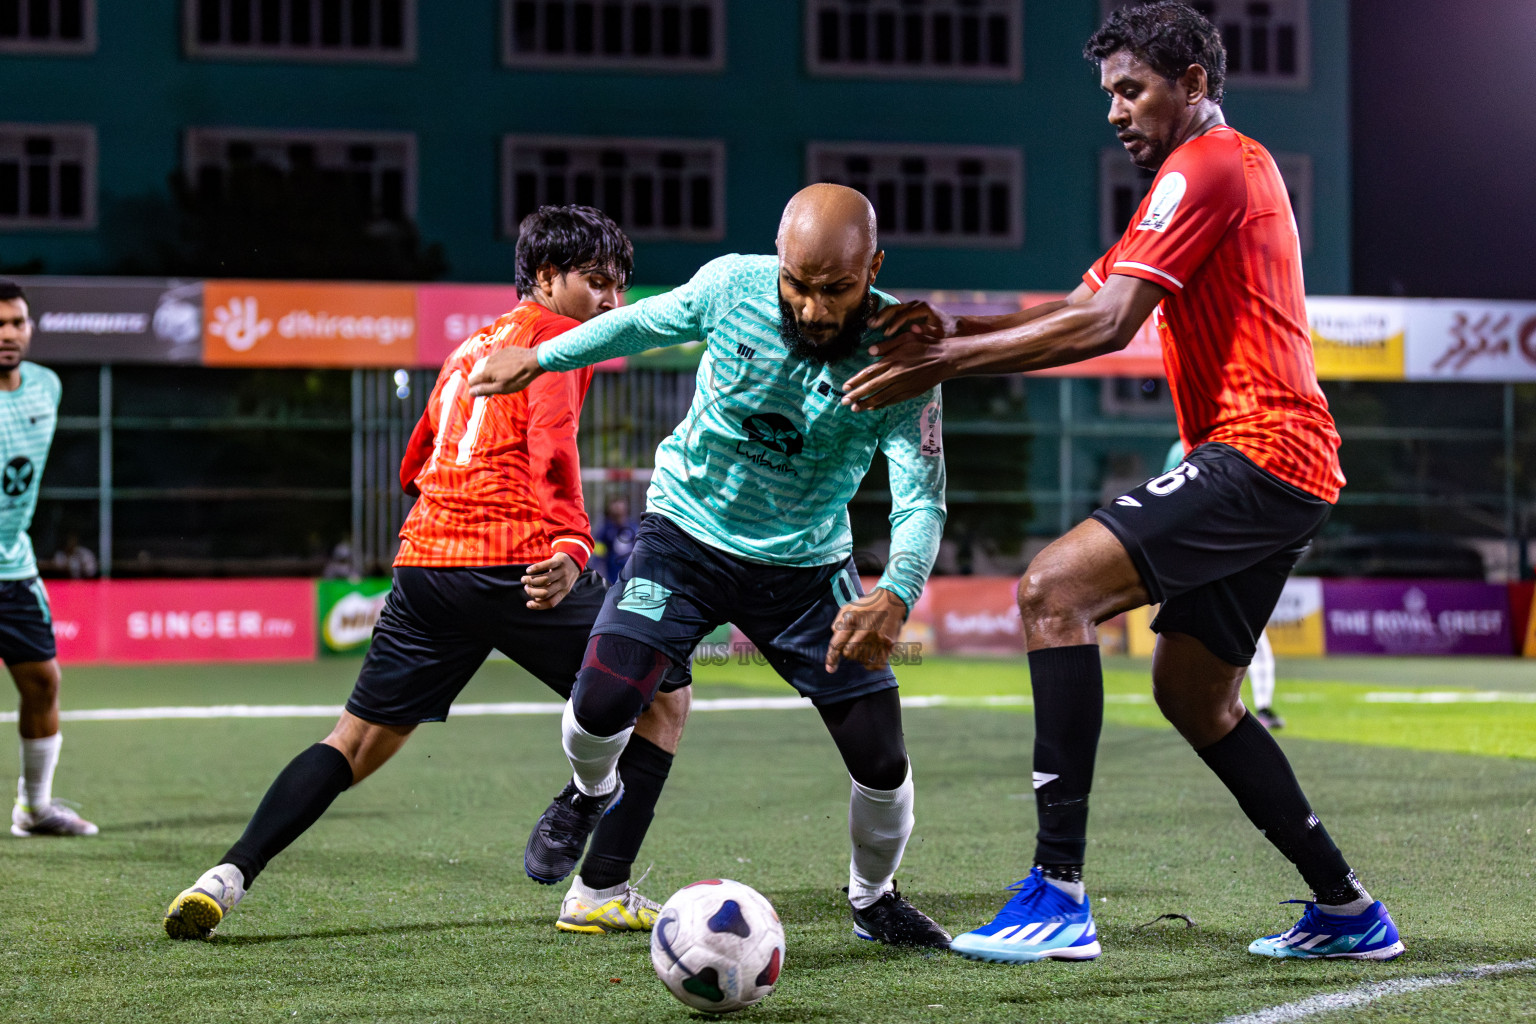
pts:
[407, 902]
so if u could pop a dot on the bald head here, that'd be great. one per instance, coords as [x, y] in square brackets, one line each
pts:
[828, 260]
[825, 224]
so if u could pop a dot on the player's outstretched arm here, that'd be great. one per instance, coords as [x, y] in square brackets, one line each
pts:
[1104, 321]
[926, 321]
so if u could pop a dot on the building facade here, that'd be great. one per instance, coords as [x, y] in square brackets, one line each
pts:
[975, 125]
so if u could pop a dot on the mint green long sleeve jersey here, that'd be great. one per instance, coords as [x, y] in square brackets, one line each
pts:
[767, 459]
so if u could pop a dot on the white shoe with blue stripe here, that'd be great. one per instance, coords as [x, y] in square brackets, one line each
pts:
[1369, 935]
[1039, 923]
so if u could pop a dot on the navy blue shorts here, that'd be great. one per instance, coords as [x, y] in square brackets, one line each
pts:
[674, 591]
[439, 625]
[26, 622]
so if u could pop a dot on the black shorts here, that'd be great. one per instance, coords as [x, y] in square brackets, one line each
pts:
[1214, 541]
[26, 622]
[673, 591]
[439, 625]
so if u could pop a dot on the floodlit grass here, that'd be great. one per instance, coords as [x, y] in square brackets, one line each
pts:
[408, 903]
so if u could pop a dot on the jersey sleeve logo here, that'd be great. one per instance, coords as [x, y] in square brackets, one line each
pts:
[933, 431]
[1164, 203]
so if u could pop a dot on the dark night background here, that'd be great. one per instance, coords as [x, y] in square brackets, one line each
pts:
[1444, 131]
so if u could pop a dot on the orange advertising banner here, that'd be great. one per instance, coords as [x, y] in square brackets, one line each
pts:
[280, 323]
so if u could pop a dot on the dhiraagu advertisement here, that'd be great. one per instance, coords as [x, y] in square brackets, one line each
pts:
[348, 611]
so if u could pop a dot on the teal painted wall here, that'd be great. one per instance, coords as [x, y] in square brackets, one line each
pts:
[140, 92]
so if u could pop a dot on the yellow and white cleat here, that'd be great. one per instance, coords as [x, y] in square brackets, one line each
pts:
[600, 911]
[197, 911]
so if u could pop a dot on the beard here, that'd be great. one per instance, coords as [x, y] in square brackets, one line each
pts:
[842, 345]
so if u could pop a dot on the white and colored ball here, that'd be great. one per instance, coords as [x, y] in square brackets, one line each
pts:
[718, 945]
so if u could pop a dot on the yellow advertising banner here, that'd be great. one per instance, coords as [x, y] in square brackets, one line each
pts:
[1357, 339]
[1140, 641]
[1296, 627]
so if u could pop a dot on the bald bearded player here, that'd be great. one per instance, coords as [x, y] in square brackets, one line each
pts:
[747, 522]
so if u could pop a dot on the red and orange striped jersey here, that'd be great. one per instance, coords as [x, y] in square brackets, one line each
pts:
[1218, 232]
[498, 478]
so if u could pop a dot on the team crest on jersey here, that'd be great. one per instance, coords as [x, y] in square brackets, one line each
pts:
[16, 478]
[1164, 203]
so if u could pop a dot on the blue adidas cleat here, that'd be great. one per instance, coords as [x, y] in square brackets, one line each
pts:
[1040, 922]
[1369, 935]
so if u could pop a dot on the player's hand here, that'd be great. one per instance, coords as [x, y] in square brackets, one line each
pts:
[916, 318]
[866, 630]
[547, 582]
[908, 366]
[505, 371]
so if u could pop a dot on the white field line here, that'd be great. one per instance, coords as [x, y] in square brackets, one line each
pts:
[1363, 994]
[472, 710]
[710, 704]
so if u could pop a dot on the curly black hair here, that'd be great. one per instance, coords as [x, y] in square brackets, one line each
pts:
[10, 291]
[579, 238]
[1167, 36]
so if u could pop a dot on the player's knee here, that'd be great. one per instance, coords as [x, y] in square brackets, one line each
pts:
[37, 682]
[882, 770]
[1045, 597]
[618, 678]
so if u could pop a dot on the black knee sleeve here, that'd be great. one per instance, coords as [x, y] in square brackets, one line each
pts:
[618, 680]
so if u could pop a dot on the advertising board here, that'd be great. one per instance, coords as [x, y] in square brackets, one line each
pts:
[115, 320]
[347, 612]
[184, 620]
[280, 323]
[1357, 339]
[1442, 617]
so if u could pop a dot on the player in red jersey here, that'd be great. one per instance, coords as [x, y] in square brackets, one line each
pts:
[1213, 253]
[492, 556]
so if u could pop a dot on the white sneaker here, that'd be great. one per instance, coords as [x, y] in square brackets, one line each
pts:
[56, 820]
[198, 910]
[599, 911]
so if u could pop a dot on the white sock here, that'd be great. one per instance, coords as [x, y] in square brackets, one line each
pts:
[1261, 674]
[592, 895]
[1077, 890]
[1350, 909]
[38, 760]
[879, 823]
[594, 759]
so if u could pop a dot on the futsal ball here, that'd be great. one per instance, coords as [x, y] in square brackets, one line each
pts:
[718, 945]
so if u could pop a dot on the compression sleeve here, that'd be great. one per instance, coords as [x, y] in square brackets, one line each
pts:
[655, 322]
[914, 449]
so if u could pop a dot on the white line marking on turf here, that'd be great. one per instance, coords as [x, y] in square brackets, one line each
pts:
[1450, 697]
[214, 711]
[1359, 996]
[721, 704]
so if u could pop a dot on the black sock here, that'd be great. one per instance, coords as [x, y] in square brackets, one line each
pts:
[1251, 764]
[644, 767]
[294, 801]
[1068, 685]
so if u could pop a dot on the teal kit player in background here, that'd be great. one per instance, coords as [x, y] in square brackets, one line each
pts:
[747, 522]
[29, 411]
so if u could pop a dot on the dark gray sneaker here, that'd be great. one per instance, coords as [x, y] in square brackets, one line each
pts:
[893, 920]
[556, 843]
[1268, 719]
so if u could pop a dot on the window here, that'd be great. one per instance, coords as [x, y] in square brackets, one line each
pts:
[47, 26]
[363, 30]
[47, 176]
[932, 195]
[915, 38]
[378, 168]
[662, 35]
[1122, 185]
[653, 188]
[1267, 41]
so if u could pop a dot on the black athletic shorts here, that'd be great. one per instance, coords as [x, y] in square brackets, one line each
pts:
[26, 622]
[439, 625]
[1214, 541]
[673, 591]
